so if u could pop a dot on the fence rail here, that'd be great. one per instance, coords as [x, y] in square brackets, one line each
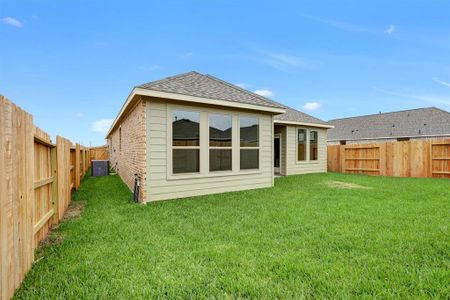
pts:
[37, 178]
[100, 152]
[415, 158]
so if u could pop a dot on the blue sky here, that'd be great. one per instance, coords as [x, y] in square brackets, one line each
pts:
[73, 63]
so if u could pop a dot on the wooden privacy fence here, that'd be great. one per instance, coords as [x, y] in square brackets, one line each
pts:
[37, 178]
[415, 158]
[100, 152]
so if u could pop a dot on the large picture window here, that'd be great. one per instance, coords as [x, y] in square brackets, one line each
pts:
[185, 142]
[249, 143]
[313, 139]
[220, 146]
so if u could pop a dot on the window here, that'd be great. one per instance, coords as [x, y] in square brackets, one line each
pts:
[307, 145]
[313, 145]
[185, 142]
[249, 143]
[220, 147]
[301, 146]
[120, 139]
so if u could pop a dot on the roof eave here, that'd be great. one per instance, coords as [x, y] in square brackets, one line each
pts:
[303, 124]
[193, 99]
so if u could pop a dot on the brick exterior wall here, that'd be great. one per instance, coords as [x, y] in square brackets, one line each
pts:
[128, 152]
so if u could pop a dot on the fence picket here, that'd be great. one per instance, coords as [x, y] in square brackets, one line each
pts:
[416, 158]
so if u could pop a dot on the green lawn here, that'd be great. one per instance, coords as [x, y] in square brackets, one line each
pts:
[305, 238]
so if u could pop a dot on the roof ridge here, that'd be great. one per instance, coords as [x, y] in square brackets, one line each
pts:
[169, 78]
[242, 89]
[386, 113]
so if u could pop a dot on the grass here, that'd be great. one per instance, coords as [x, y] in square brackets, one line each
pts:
[304, 238]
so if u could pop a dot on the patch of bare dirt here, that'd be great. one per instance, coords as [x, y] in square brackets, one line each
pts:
[345, 185]
[74, 210]
[53, 238]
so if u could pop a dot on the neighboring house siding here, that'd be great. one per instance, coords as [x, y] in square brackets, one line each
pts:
[304, 167]
[129, 158]
[162, 185]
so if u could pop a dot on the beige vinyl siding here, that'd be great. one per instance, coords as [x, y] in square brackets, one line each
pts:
[162, 184]
[303, 167]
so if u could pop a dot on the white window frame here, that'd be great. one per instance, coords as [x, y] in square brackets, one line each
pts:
[309, 145]
[308, 156]
[221, 147]
[204, 143]
[172, 147]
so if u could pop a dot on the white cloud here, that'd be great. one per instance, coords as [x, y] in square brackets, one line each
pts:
[12, 22]
[264, 93]
[243, 85]
[390, 29]
[102, 125]
[79, 115]
[337, 24]
[283, 61]
[442, 82]
[311, 105]
[422, 97]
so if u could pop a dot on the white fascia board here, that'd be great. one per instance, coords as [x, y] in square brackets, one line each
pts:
[195, 99]
[303, 124]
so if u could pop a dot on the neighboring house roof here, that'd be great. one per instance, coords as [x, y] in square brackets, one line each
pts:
[421, 122]
[207, 86]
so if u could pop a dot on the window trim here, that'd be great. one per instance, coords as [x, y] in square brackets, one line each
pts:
[317, 143]
[307, 160]
[204, 143]
[306, 144]
[172, 147]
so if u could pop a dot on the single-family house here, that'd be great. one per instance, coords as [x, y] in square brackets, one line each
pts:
[194, 134]
[421, 123]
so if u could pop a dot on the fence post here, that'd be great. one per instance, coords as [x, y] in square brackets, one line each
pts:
[77, 166]
[382, 160]
[83, 152]
[54, 169]
[341, 159]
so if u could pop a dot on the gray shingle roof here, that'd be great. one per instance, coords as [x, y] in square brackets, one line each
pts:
[293, 115]
[428, 121]
[207, 86]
